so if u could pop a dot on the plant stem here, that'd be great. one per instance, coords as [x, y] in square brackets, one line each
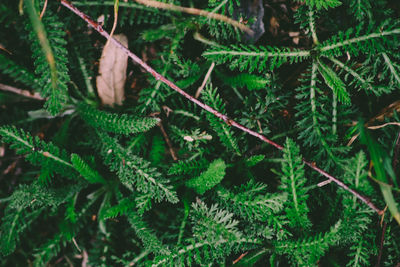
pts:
[21, 92]
[197, 12]
[221, 116]
[198, 92]
[168, 141]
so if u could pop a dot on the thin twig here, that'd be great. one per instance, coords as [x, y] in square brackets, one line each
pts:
[221, 116]
[396, 153]
[85, 259]
[169, 144]
[21, 92]
[5, 49]
[116, 4]
[197, 36]
[198, 92]
[383, 125]
[197, 12]
[378, 261]
[43, 10]
[376, 127]
[321, 184]
[240, 257]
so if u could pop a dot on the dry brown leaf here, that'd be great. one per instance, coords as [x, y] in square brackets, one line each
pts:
[273, 25]
[112, 72]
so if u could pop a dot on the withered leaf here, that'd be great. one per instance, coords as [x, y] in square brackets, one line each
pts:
[112, 72]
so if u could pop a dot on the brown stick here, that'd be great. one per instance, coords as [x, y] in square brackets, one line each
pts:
[223, 117]
[18, 91]
[198, 92]
[381, 243]
[197, 12]
[169, 144]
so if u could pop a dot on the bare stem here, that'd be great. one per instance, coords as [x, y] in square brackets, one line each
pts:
[198, 92]
[22, 92]
[43, 10]
[221, 116]
[197, 12]
[168, 141]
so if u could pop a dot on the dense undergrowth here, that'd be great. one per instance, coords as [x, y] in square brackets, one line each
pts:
[159, 180]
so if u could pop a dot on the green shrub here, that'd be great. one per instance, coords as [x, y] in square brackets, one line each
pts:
[167, 179]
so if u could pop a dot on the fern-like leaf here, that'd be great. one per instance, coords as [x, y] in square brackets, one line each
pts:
[293, 182]
[14, 222]
[212, 98]
[115, 123]
[250, 81]
[320, 4]
[213, 224]
[352, 41]
[251, 58]
[38, 152]
[157, 150]
[123, 207]
[307, 251]
[252, 202]
[91, 175]
[192, 167]
[148, 238]
[134, 171]
[209, 178]
[17, 72]
[334, 82]
[48, 47]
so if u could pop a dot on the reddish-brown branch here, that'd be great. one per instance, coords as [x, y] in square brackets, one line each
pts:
[169, 144]
[223, 117]
[378, 262]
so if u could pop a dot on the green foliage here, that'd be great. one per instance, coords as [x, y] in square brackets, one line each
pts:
[319, 4]
[50, 55]
[252, 202]
[362, 39]
[16, 72]
[306, 252]
[112, 189]
[122, 208]
[39, 153]
[157, 150]
[253, 58]
[13, 224]
[250, 81]
[334, 82]
[91, 175]
[192, 167]
[212, 98]
[134, 171]
[293, 182]
[209, 178]
[316, 119]
[148, 238]
[115, 123]
[361, 9]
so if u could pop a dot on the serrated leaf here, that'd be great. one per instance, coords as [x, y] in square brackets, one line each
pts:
[92, 176]
[210, 178]
[334, 82]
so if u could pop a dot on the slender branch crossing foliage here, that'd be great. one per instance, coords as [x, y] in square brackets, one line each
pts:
[170, 174]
